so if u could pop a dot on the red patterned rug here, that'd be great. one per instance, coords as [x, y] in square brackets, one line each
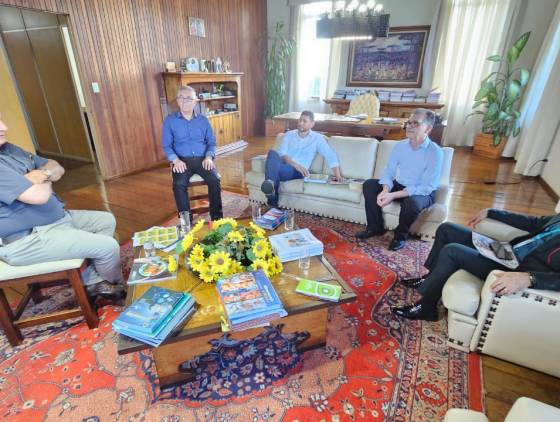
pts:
[374, 367]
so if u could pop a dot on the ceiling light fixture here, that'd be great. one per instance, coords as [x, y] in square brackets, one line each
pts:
[353, 20]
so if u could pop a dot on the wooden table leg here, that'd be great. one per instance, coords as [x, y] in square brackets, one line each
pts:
[7, 321]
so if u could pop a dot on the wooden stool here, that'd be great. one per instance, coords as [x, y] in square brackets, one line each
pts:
[37, 276]
[194, 181]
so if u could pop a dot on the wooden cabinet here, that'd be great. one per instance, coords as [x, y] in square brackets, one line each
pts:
[225, 124]
[387, 108]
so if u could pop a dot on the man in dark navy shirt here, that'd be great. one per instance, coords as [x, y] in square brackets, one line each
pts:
[190, 147]
[35, 227]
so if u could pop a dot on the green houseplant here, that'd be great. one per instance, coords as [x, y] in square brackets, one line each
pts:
[281, 48]
[497, 100]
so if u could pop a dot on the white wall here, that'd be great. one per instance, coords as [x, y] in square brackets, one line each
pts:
[551, 171]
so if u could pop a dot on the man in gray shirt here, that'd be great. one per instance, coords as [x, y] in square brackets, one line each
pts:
[35, 227]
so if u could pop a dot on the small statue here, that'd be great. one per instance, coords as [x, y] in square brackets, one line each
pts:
[227, 67]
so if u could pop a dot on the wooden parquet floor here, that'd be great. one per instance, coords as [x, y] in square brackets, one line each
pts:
[144, 199]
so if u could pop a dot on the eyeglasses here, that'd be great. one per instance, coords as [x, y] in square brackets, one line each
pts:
[186, 99]
[413, 123]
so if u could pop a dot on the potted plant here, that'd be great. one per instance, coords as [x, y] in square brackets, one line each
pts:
[497, 101]
[281, 48]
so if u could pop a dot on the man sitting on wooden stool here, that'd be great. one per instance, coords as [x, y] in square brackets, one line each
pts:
[35, 227]
[293, 159]
[190, 147]
[419, 162]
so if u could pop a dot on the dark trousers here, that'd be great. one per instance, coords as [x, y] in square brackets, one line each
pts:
[411, 207]
[452, 250]
[278, 171]
[181, 183]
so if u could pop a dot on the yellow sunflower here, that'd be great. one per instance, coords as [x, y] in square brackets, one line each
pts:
[258, 231]
[259, 263]
[235, 236]
[275, 265]
[223, 221]
[197, 250]
[219, 262]
[235, 268]
[172, 264]
[261, 248]
[206, 273]
[196, 261]
[199, 224]
[187, 241]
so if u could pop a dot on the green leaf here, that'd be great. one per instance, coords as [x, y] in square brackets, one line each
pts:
[485, 88]
[503, 116]
[521, 41]
[250, 254]
[492, 111]
[516, 131]
[496, 138]
[513, 90]
[479, 103]
[512, 54]
[494, 58]
[524, 75]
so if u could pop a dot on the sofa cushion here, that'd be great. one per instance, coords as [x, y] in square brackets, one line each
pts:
[355, 155]
[9, 272]
[461, 292]
[316, 165]
[338, 192]
[383, 151]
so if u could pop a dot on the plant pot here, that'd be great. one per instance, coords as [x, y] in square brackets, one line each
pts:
[273, 127]
[484, 146]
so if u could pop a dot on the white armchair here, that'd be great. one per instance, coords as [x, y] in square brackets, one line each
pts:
[523, 328]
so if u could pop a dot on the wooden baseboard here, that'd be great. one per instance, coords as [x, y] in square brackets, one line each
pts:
[548, 189]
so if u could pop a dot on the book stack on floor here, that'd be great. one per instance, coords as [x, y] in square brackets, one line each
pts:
[271, 219]
[293, 245]
[158, 314]
[248, 301]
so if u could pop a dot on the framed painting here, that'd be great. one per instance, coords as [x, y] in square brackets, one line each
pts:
[196, 27]
[395, 61]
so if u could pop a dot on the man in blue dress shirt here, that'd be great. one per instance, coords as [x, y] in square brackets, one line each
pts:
[190, 147]
[418, 161]
[293, 159]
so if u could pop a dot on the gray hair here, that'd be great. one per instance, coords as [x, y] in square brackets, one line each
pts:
[186, 88]
[429, 115]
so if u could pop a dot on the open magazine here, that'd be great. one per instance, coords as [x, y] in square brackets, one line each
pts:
[500, 252]
[331, 180]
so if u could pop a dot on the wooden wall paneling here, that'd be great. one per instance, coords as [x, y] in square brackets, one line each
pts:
[123, 45]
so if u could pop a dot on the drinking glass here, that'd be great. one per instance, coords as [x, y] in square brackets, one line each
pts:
[304, 261]
[255, 210]
[185, 222]
[289, 222]
[149, 249]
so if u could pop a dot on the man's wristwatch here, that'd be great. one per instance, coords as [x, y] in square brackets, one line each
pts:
[48, 174]
[532, 280]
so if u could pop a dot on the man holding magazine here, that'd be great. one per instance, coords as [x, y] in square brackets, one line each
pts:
[293, 159]
[538, 254]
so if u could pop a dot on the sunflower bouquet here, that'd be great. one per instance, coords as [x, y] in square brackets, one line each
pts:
[229, 248]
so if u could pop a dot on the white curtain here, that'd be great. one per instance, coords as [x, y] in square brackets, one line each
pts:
[468, 32]
[540, 118]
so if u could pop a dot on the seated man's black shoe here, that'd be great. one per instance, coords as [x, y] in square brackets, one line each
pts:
[415, 311]
[413, 283]
[369, 233]
[395, 245]
[106, 290]
[267, 187]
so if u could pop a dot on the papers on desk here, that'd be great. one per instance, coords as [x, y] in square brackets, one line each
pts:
[361, 116]
[338, 118]
[385, 120]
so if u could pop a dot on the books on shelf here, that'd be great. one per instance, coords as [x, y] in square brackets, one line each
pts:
[383, 95]
[408, 96]
[395, 96]
[295, 244]
[150, 270]
[433, 97]
[155, 316]
[319, 289]
[271, 219]
[161, 237]
[248, 300]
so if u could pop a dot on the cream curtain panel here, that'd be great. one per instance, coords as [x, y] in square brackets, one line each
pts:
[540, 118]
[468, 31]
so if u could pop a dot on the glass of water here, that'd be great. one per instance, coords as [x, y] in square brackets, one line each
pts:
[185, 222]
[304, 261]
[289, 222]
[255, 210]
[149, 249]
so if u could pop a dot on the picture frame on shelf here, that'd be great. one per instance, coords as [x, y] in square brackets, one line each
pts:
[197, 27]
[193, 65]
[396, 61]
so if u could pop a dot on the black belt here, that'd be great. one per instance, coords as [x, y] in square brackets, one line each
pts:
[6, 240]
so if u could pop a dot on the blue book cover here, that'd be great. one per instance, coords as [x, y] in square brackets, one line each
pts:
[248, 295]
[271, 219]
[148, 312]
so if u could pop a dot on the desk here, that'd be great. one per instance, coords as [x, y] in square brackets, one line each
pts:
[338, 125]
[387, 108]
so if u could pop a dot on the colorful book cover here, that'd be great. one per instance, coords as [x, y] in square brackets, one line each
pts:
[159, 236]
[151, 309]
[150, 270]
[248, 295]
[271, 219]
[291, 245]
[319, 289]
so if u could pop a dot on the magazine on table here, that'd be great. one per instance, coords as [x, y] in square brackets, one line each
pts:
[161, 237]
[500, 252]
[150, 270]
[271, 219]
[316, 178]
[295, 244]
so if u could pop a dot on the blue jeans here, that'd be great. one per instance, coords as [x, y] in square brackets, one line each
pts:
[278, 171]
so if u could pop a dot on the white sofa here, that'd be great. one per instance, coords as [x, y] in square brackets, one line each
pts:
[360, 158]
[523, 328]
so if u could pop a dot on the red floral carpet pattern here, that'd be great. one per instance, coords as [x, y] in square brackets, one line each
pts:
[374, 367]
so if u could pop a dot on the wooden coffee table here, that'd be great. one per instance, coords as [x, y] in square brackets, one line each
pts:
[304, 314]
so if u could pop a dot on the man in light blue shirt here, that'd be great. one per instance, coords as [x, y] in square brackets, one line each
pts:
[293, 159]
[418, 161]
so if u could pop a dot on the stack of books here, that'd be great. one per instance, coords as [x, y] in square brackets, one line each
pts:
[433, 97]
[383, 95]
[271, 219]
[155, 316]
[396, 96]
[408, 96]
[293, 245]
[248, 301]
